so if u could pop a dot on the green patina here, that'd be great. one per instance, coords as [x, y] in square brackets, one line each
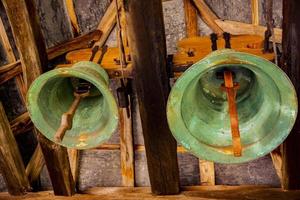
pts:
[197, 108]
[51, 95]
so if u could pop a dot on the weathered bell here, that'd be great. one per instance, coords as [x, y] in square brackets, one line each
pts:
[52, 94]
[198, 111]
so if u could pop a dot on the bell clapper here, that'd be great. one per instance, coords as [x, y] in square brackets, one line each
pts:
[82, 91]
[230, 87]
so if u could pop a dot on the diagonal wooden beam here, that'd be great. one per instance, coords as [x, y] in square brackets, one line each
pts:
[208, 16]
[107, 23]
[30, 43]
[11, 163]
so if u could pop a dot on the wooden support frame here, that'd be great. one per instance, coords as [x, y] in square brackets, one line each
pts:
[30, 37]
[190, 15]
[11, 163]
[255, 12]
[149, 61]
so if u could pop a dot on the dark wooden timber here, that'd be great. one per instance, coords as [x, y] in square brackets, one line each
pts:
[11, 164]
[30, 43]
[291, 65]
[148, 50]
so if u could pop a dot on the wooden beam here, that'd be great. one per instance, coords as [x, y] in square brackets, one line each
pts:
[74, 163]
[107, 23]
[10, 57]
[190, 14]
[81, 42]
[126, 148]
[35, 165]
[255, 12]
[72, 16]
[11, 163]
[207, 172]
[291, 65]
[12, 73]
[239, 28]
[148, 52]
[21, 124]
[20, 19]
[208, 16]
[57, 162]
[29, 41]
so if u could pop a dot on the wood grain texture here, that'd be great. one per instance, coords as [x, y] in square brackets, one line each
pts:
[255, 12]
[149, 61]
[239, 28]
[72, 16]
[11, 164]
[189, 193]
[107, 23]
[21, 124]
[20, 19]
[190, 14]
[126, 147]
[35, 165]
[208, 16]
[291, 65]
[30, 43]
[55, 23]
[74, 163]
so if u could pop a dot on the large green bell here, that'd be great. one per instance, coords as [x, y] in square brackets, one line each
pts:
[197, 107]
[52, 93]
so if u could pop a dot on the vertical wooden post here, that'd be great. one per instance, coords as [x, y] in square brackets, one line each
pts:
[126, 148]
[146, 36]
[255, 12]
[29, 41]
[11, 164]
[291, 65]
[190, 13]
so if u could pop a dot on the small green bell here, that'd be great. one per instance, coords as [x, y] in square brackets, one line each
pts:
[266, 103]
[52, 94]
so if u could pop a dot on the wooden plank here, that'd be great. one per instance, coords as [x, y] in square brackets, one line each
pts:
[33, 55]
[291, 65]
[189, 193]
[11, 163]
[255, 12]
[80, 42]
[276, 156]
[126, 147]
[149, 61]
[35, 165]
[207, 172]
[208, 16]
[74, 163]
[239, 28]
[72, 16]
[57, 162]
[190, 14]
[107, 23]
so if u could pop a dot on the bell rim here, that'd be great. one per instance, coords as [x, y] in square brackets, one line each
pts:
[187, 140]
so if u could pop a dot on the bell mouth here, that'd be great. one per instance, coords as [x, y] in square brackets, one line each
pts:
[205, 106]
[197, 108]
[52, 94]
